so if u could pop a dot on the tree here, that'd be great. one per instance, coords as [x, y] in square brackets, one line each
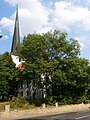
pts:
[72, 80]
[8, 76]
[46, 54]
[53, 57]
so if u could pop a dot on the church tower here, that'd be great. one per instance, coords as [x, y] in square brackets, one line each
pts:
[16, 35]
[15, 40]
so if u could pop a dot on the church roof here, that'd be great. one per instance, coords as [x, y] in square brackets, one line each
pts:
[16, 35]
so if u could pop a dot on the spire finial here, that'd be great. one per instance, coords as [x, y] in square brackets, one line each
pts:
[17, 7]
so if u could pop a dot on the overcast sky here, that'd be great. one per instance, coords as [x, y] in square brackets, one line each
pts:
[72, 16]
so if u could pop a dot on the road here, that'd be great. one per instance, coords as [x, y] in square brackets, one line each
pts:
[82, 115]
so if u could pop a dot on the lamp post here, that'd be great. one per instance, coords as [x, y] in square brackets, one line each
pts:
[0, 36]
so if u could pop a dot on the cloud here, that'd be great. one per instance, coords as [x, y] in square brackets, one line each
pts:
[83, 40]
[5, 37]
[33, 21]
[0, 31]
[6, 23]
[87, 1]
[33, 16]
[67, 15]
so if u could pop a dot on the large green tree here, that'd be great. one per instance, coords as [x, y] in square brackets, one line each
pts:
[66, 75]
[57, 58]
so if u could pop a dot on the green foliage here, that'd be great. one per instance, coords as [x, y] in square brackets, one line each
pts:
[50, 100]
[8, 76]
[51, 54]
[66, 75]
[19, 103]
[36, 103]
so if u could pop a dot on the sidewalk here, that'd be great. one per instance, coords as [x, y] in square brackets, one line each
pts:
[12, 115]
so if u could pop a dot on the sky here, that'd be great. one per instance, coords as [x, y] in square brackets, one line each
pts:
[41, 16]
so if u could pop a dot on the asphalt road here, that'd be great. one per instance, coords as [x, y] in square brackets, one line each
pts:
[82, 115]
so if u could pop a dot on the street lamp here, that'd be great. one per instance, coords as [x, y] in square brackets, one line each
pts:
[0, 36]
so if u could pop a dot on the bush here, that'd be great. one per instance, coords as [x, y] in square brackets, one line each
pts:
[19, 103]
[50, 100]
[36, 103]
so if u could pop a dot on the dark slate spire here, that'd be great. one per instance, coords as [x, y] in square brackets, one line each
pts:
[16, 35]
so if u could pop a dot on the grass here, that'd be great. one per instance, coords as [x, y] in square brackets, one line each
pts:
[18, 103]
[2, 105]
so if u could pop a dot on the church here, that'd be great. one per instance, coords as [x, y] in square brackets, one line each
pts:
[25, 89]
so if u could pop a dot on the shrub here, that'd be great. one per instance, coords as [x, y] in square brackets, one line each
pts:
[19, 103]
[50, 100]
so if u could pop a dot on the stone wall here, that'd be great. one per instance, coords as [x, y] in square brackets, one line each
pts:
[12, 115]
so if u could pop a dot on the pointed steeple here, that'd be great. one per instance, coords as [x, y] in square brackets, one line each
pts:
[16, 35]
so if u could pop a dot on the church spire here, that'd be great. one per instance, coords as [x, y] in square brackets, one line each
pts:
[16, 35]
